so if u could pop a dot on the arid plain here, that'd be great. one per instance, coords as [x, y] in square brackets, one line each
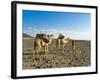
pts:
[78, 57]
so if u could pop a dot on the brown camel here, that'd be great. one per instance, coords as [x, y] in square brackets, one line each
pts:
[61, 41]
[42, 41]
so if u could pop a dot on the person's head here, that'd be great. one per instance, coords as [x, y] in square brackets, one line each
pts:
[61, 36]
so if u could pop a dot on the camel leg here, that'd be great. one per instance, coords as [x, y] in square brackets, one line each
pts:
[33, 51]
[46, 49]
[37, 50]
[59, 44]
[62, 48]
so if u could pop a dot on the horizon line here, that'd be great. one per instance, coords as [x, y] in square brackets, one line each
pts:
[56, 37]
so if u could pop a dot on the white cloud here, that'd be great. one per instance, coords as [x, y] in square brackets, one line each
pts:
[67, 33]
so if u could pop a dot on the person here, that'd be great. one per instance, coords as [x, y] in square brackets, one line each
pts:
[61, 36]
[73, 44]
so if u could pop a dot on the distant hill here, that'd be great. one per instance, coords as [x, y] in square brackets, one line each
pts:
[25, 35]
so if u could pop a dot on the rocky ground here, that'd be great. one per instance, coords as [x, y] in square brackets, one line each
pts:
[55, 58]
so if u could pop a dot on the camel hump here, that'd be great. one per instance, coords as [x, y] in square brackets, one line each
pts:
[38, 36]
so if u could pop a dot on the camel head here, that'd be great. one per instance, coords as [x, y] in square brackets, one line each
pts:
[47, 38]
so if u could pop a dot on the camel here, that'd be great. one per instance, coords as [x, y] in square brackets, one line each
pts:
[61, 41]
[42, 41]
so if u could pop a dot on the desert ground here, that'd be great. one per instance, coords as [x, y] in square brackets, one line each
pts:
[55, 58]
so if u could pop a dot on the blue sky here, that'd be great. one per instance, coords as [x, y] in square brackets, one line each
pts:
[71, 24]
